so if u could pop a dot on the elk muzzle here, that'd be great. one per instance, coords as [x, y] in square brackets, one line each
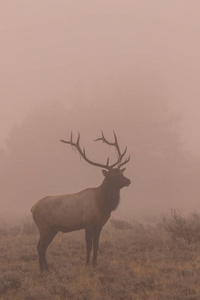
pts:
[127, 182]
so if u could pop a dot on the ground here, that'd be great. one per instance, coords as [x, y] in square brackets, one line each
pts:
[135, 262]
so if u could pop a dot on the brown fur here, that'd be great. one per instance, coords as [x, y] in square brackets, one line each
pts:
[89, 209]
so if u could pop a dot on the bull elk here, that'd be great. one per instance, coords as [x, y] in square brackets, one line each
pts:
[89, 209]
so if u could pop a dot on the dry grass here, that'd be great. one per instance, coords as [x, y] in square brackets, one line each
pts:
[135, 262]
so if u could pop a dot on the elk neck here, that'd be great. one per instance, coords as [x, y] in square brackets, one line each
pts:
[109, 196]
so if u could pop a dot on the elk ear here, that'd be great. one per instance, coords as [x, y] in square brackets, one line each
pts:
[122, 170]
[105, 173]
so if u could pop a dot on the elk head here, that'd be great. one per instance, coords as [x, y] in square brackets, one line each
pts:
[113, 173]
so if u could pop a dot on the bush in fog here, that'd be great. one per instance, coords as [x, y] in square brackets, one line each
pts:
[182, 227]
[121, 224]
[10, 230]
[28, 227]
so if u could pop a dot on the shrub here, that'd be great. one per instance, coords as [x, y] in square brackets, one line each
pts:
[184, 228]
[10, 280]
[121, 224]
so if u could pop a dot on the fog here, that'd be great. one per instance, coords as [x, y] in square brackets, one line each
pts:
[132, 67]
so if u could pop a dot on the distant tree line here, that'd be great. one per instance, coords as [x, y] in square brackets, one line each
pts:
[35, 164]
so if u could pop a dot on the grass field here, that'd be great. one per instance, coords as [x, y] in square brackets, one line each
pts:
[134, 262]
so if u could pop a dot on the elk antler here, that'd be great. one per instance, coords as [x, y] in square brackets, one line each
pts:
[115, 143]
[82, 152]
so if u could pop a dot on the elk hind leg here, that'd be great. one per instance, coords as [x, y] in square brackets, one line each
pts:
[45, 239]
[88, 239]
[96, 236]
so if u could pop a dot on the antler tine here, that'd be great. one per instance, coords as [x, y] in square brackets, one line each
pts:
[70, 142]
[115, 143]
[115, 137]
[124, 152]
[117, 147]
[125, 162]
[121, 155]
[102, 138]
[78, 139]
[82, 152]
[107, 162]
[71, 137]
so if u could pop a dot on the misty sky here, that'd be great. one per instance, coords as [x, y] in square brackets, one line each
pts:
[47, 47]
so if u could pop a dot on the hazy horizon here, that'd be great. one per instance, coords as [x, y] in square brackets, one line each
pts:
[132, 66]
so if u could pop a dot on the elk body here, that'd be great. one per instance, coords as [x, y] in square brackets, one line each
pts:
[89, 209]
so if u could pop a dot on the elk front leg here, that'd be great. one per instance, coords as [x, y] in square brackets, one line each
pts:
[96, 236]
[88, 239]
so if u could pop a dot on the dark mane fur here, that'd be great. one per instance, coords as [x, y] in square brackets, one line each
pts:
[110, 199]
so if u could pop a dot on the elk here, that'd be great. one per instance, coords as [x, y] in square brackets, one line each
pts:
[88, 209]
